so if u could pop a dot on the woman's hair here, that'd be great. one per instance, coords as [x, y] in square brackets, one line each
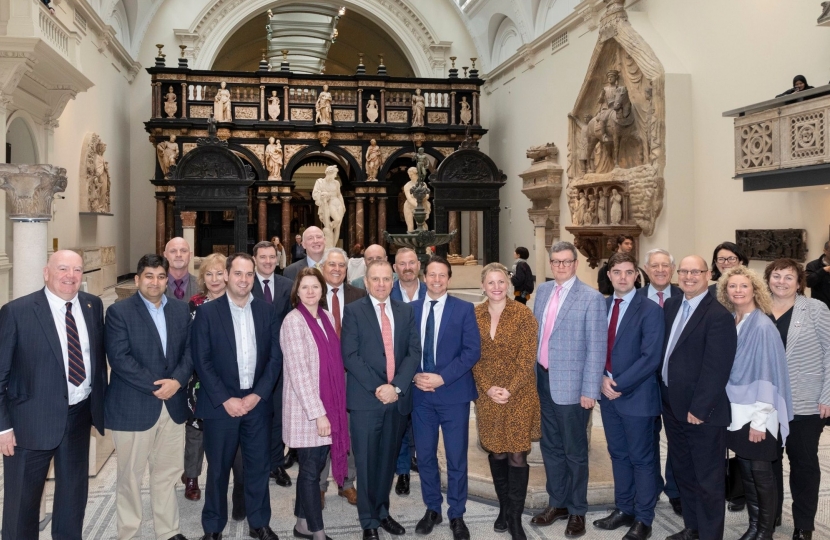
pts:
[295, 289]
[356, 251]
[208, 263]
[787, 264]
[760, 294]
[522, 252]
[494, 267]
[800, 78]
[728, 246]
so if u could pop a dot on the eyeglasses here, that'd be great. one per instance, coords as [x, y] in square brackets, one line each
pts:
[694, 273]
[731, 259]
[566, 263]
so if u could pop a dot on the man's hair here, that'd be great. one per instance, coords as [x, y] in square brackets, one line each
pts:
[151, 260]
[439, 260]
[522, 252]
[562, 246]
[331, 250]
[622, 238]
[403, 251]
[238, 255]
[658, 251]
[263, 245]
[619, 258]
[372, 264]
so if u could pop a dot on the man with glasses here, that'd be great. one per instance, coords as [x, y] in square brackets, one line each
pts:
[698, 351]
[572, 351]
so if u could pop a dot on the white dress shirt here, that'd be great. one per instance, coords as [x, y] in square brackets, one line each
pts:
[270, 279]
[387, 308]
[626, 301]
[340, 296]
[58, 307]
[404, 295]
[245, 334]
[675, 327]
[439, 311]
[652, 294]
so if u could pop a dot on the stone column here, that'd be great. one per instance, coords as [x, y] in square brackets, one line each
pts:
[455, 225]
[285, 116]
[474, 233]
[261, 103]
[359, 219]
[373, 221]
[286, 221]
[540, 221]
[5, 265]
[30, 189]
[170, 222]
[184, 101]
[381, 219]
[161, 216]
[189, 234]
[352, 233]
[382, 106]
[452, 108]
[360, 105]
[262, 219]
[476, 120]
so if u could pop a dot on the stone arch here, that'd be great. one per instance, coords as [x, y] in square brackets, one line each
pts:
[248, 156]
[26, 122]
[505, 38]
[295, 161]
[387, 164]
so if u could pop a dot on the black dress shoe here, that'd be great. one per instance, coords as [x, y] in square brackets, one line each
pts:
[548, 516]
[212, 536]
[392, 527]
[737, 505]
[263, 533]
[615, 520]
[402, 485]
[685, 534]
[281, 477]
[413, 464]
[575, 527]
[431, 519]
[177, 537]
[676, 505]
[801, 534]
[370, 534]
[298, 534]
[290, 458]
[638, 531]
[459, 529]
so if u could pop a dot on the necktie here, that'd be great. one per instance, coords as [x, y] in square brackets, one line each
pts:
[675, 337]
[550, 318]
[612, 332]
[429, 340]
[335, 310]
[178, 292]
[660, 298]
[388, 342]
[267, 293]
[77, 371]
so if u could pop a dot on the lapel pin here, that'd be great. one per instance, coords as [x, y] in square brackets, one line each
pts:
[89, 305]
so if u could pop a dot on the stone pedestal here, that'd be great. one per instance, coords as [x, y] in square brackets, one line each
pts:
[542, 184]
[474, 234]
[189, 234]
[29, 257]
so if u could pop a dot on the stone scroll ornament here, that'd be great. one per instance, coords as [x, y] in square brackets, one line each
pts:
[94, 175]
[31, 189]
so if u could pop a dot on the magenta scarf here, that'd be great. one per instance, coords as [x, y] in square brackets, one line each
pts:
[332, 389]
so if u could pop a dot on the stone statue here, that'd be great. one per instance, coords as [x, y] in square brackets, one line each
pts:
[603, 209]
[273, 105]
[542, 152]
[330, 205]
[222, 104]
[825, 12]
[466, 113]
[412, 203]
[418, 108]
[273, 159]
[591, 212]
[422, 162]
[372, 109]
[323, 106]
[168, 154]
[95, 176]
[579, 213]
[372, 160]
[31, 188]
[616, 207]
[170, 103]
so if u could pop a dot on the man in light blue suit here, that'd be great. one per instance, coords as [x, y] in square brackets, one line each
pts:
[630, 400]
[444, 388]
[572, 350]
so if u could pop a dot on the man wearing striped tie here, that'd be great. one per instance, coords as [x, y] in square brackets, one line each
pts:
[52, 383]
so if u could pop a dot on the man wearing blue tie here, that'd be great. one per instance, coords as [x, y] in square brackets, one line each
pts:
[444, 388]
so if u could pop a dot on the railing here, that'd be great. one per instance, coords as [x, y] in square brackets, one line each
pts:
[51, 31]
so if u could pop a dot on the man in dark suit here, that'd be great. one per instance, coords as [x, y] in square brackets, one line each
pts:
[818, 276]
[314, 243]
[237, 355]
[53, 377]
[624, 244]
[148, 347]
[630, 399]
[698, 351]
[660, 268]
[444, 388]
[181, 284]
[297, 250]
[381, 351]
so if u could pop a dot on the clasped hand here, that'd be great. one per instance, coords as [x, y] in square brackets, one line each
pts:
[241, 406]
[168, 388]
[386, 394]
[607, 388]
[428, 382]
[498, 395]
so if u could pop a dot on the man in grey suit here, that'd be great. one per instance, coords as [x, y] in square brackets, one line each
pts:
[572, 349]
[314, 243]
[181, 284]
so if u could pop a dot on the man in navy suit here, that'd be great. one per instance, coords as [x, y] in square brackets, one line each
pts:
[698, 352]
[53, 377]
[630, 399]
[237, 355]
[660, 268]
[314, 243]
[381, 352]
[148, 347]
[444, 388]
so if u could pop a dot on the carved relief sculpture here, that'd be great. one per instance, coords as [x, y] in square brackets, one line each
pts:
[273, 105]
[170, 103]
[422, 164]
[372, 109]
[616, 207]
[323, 106]
[771, 244]
[591, 212]
[222, 104]
[418, 108]
[274, 159]
[168, 154]
[330, 205]
[31, 188]
[412, 202]
[94, 175]
[602, 209]
[372, 161]
[466, 113]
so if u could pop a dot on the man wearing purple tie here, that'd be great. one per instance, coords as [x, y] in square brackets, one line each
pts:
[181, 284]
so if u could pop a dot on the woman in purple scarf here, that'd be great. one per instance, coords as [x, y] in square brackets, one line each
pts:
[314, 400]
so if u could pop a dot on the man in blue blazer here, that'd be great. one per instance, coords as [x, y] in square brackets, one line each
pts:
[444, 388]
[51, 393]
[237, 355]
[381, 352]
[572, 348]
[148, 347]
[631, 399]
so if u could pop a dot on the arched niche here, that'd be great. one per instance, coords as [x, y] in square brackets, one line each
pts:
[20, 136]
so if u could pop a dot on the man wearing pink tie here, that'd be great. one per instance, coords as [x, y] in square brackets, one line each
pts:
[572, 351]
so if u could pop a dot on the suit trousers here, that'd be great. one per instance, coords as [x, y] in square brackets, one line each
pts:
[308, 505]
[631, 447]
[564, 446]
[805, 472]
[25, 475]
[404, 465]
[194, 452]
[162, 447]
[348, 483]
[223, 436]
[454, 421]
[277, 446]
[376, 440]
[698, 456]
[669, 486]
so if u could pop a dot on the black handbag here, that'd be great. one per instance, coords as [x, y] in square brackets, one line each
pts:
[734, 485]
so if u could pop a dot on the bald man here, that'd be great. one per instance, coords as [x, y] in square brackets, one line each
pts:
[52, 383]
[314, 243]
[372, 253]
[181, 284]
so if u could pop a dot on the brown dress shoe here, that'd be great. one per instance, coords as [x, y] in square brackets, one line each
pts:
[322, 500]
[350, 494]
[576, 526]
[191, 489]
[548, 516]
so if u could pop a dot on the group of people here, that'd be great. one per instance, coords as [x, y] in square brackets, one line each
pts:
[256, 363]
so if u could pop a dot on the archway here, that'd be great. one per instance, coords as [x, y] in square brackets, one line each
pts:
[21, 146]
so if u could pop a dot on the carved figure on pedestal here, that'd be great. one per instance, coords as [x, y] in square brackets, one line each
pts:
[372, 109]
[330, 205]
[422, 163]
[418, 108]
[168, 154]
[372, 160]
[274, 105]
[581, 207]
[466, 114]
[98, 178]
[616, 207]
[170, 103]
[412, 203]
[591, 212]
[222, 104]
[323, 106]
[274, 159]
[602, 211]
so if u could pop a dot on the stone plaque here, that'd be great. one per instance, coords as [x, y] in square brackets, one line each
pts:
[187, 147]
[396, 117]
[771, 244]
[437, 117]
[246, 113]
[200, 111]
[302, 114]
[343, 115]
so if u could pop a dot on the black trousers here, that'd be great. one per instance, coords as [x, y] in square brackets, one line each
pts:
[308, 505]
[277, 446]
[25, 475]
[805, 472]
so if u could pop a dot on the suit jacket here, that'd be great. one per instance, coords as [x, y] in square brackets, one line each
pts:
[397, 294]
[137, 359]
[365, 359]
[458, 350]
[675, 292]
[280, 292]
[818, 280]
[33, 386]
[350, 294]
[214, 356]
[577, 346]
[635, 357]
[808, 355]
[294, 268]
[192, 288]
[702, 359]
